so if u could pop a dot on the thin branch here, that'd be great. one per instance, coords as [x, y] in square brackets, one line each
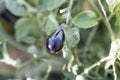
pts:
[69, 12]
[117, 57]
[48, 72]
[111, 34]
[114, 70]
[86, 71]
[107, 21]
[104, 17]
[102, 8]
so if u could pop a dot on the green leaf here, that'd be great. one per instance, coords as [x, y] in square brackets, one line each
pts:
[85, 20]
[49, 4]
[16, 8]
[27, 30]
[72, 36]
[51, 24]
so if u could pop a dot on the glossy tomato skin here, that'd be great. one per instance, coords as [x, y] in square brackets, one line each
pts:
[55, 41]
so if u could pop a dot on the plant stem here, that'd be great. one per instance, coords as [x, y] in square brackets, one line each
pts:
[109, 29]
[107, 21]
[69, 12]
[67, 22]
[114, 70]
[111, 33]
[48, 72]
[86, 71]
[104, 18]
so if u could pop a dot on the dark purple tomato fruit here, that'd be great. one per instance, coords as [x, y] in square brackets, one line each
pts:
[55, 41]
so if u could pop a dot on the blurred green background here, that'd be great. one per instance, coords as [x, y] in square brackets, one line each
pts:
[26, 24]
